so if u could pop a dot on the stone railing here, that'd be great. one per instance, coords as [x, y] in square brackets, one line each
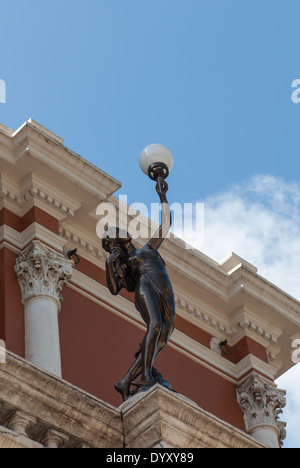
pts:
[163, 419]
[39, 410]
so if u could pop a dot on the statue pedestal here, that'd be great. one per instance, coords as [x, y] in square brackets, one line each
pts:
[160, 418]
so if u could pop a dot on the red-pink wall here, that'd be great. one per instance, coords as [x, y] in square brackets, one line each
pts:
[11, 308]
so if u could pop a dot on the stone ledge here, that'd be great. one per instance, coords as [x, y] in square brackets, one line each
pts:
[11, 439]
[162, 418]
[38, 409]
[57, 405]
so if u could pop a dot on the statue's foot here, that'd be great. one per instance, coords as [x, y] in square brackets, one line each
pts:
[160, 379]
[144, 383]
[123, 388]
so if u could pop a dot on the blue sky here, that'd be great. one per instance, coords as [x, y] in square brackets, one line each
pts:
[210, 79]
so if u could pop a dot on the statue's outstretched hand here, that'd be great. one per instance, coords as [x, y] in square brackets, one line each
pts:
[162, 187]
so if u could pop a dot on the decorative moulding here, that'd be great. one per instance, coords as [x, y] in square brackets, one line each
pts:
[35, 192]
[232, 261]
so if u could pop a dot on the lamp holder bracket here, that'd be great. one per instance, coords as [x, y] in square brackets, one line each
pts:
[157, 170]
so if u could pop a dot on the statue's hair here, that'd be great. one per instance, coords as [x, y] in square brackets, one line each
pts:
[114, 233]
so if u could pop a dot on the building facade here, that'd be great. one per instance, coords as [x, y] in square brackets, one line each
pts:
[64, 331]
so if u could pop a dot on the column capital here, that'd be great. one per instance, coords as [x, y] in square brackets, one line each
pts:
[262, 403]
[42, 272]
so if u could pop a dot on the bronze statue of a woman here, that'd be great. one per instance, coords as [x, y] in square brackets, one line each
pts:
[143, 272]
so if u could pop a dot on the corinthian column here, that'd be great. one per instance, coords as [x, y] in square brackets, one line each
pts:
[41, 274]
[262, 403]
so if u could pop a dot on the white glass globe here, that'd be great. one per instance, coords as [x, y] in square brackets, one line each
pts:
[155, 153]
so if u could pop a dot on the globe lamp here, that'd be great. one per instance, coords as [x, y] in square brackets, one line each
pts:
[156, 161]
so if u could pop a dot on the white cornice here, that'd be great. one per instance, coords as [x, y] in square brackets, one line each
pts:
[32, 143]
[19, 241]
[41, 129]
[6, 130]
[34, 191]
[243, 280]
[241, 323]
[245, 323]
[233, 261]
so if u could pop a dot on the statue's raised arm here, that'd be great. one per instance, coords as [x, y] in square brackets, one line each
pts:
[166, 217]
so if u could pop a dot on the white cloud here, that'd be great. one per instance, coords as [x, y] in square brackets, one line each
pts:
[260, 221]
[290, 382]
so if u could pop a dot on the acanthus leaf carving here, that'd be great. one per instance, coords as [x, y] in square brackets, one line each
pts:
[262, 403]
[42, 271]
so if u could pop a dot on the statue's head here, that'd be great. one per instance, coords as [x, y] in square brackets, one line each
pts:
[115, 237]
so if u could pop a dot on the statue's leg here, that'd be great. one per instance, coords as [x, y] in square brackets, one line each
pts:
[162, 343]
[123, 387]
[148, 305]
[163, 339]
[166, 332]
[157, 334]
